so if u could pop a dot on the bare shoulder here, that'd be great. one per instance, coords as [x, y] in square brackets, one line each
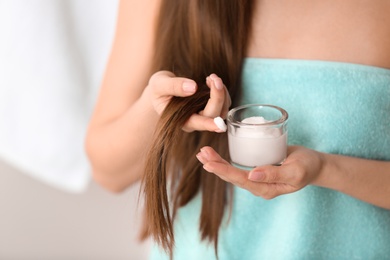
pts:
[129, 64]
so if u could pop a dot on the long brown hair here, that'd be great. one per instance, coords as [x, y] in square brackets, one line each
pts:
[194, 39]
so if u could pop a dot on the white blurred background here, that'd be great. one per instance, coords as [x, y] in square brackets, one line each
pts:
[38, 222]
[52, 57]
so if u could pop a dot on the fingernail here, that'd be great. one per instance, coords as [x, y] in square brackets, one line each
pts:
[201, 158]
[204, 153]
[217, 81]
[213, 76]
[189, 87]
[206, 167]
[256, 176]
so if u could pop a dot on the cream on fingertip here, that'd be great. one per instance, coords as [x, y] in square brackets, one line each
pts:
[220, 124]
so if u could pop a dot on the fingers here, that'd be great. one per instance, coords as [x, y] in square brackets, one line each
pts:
[269, 174]
[212, 162]
[290, 173]
[201, 123]
[208, 154]
[217, 106]
[226, 105]
[217, 97]
[301, 167]
[267, 181]
[165, 83]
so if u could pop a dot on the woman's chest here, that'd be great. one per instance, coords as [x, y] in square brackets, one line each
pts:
[347, 31]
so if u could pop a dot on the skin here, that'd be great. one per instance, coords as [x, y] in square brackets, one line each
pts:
[131, 101]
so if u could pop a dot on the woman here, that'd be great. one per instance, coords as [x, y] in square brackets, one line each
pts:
[176, 65]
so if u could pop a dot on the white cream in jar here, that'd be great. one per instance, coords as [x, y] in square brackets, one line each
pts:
[257, 135]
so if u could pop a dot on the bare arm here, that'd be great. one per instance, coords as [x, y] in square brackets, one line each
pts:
[367, 180]
[131, 100]
[123, 120]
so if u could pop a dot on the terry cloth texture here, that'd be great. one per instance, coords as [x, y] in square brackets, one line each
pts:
[336, 108]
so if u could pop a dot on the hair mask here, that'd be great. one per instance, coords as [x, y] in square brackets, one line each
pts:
[257, 135]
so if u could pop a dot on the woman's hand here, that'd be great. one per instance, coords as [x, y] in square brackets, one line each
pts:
[302, 167]
[164, 85]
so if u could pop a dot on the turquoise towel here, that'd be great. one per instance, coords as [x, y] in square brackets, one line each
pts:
[334, 107]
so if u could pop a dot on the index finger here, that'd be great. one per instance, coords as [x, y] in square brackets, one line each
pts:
[216, 102]
[215, 164]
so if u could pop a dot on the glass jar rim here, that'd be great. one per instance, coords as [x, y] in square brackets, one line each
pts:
[281, 120]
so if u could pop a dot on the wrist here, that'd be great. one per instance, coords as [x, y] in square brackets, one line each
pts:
[329, 174]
